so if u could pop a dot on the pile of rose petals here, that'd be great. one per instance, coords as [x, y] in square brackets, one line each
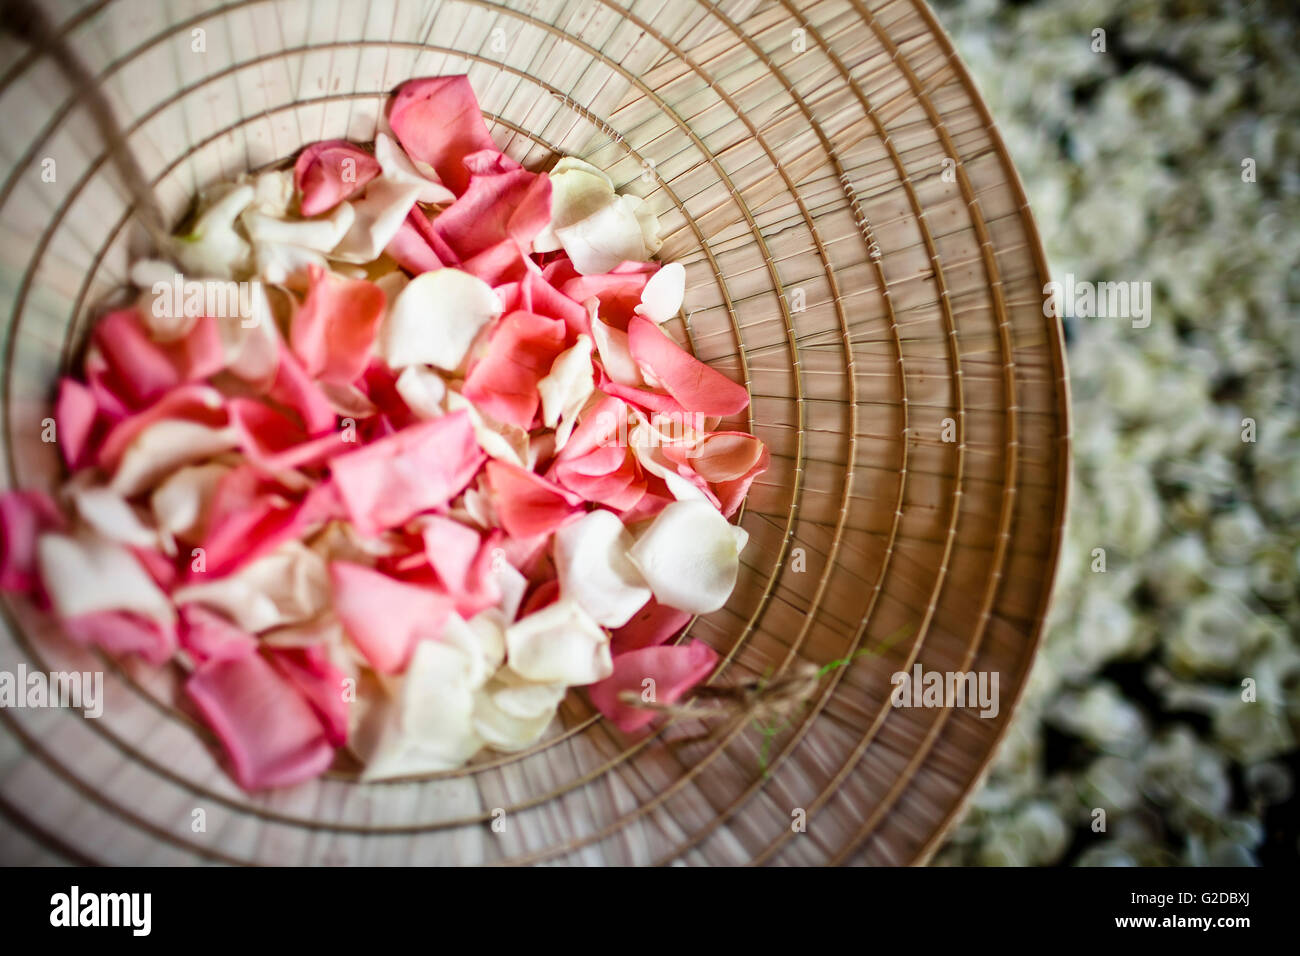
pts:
[432, 461]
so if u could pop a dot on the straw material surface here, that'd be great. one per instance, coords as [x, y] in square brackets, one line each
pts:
[858, 253]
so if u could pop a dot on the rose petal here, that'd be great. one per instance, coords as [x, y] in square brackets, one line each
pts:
[86, 573]
[420, 468]
[695, 385]
[320, 683]
[120, 633]
[213, 247]
[559, 644]
[287, 586]
[23, 516]
[690, 556]
[527, 503]
[398, 167]
[651, 626]
[520, 353]
[662, 297]
[333, 330]
[385, 617]
[565, 389]
[270, 733]
[594, 570]
[674, 670]
[436, 318]
[206, 635]
[437, 121]
[329, 172]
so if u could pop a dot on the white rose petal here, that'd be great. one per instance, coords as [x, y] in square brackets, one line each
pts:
[399, 168]
[321, 234]
[502, 441]
[566, 388]
[165, 446]
[111, 516]
[512, 714]
[662, 296]
[594, 570]
[436, 318]
[616, 354]
[593, 224]
[559, 644]
[86, 573]
[213, 247]
[690, 556]
[379, 214]
[423, 390]
[180, 504]
[287, 586]
[429, 725]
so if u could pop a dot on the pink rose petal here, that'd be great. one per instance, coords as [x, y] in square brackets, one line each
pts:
[271, 734]
[695, 385]
[329, 172]
[207, 635]
[521, 350]
[322, 685]
[335, 327]
[527, 503]
[386, 617]
[437, 121]
[675, 669]
[651, 626]
[75, 415]
[419, 468]
[23, 516]
[121, 633]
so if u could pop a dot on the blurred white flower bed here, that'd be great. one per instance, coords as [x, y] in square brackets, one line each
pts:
[1133, 158]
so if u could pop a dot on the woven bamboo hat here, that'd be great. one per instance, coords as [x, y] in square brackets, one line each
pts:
[859, 252]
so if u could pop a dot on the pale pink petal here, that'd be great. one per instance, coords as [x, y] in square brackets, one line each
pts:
[23, 516]
[419, 468]
[385, 617]
[335, 327]
[119, 633]
[207, 635]
[520, 353]
[321, 683]
[271, 734]
[529, 504]
[651, 626]
[674, 669]
[329, 172]
[696, 386]
[437, 121]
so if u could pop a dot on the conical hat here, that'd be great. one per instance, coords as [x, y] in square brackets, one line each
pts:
[859, 252]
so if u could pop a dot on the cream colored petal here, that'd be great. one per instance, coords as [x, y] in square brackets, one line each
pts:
[213, 247]
[690, 556]
[165, 446]
[500, 440]
[661, 299]
[559, 644]
[320, 234]
[182, 502]
[423, 390]
[436, 318]
[288, 586]
[594, 570]
[399, 168]
[566, 388]
[379, 214]
[85, 573]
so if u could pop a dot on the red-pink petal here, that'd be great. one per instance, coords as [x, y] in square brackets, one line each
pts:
[651, 626]
[207, 635]
[675, 669]
[451, 548]
[419, 468]
[322, 685]
[335, 327]
[386, 617]
[514, 205]
[75, 415]
[695, 385]
[23, 516]
[437, 121]
[527, 503]
[329, 172]
[294, 388]
[503, 383]
[120, 633]
[137, 368]
[619, 292]
[271, 734]
[195, 403]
